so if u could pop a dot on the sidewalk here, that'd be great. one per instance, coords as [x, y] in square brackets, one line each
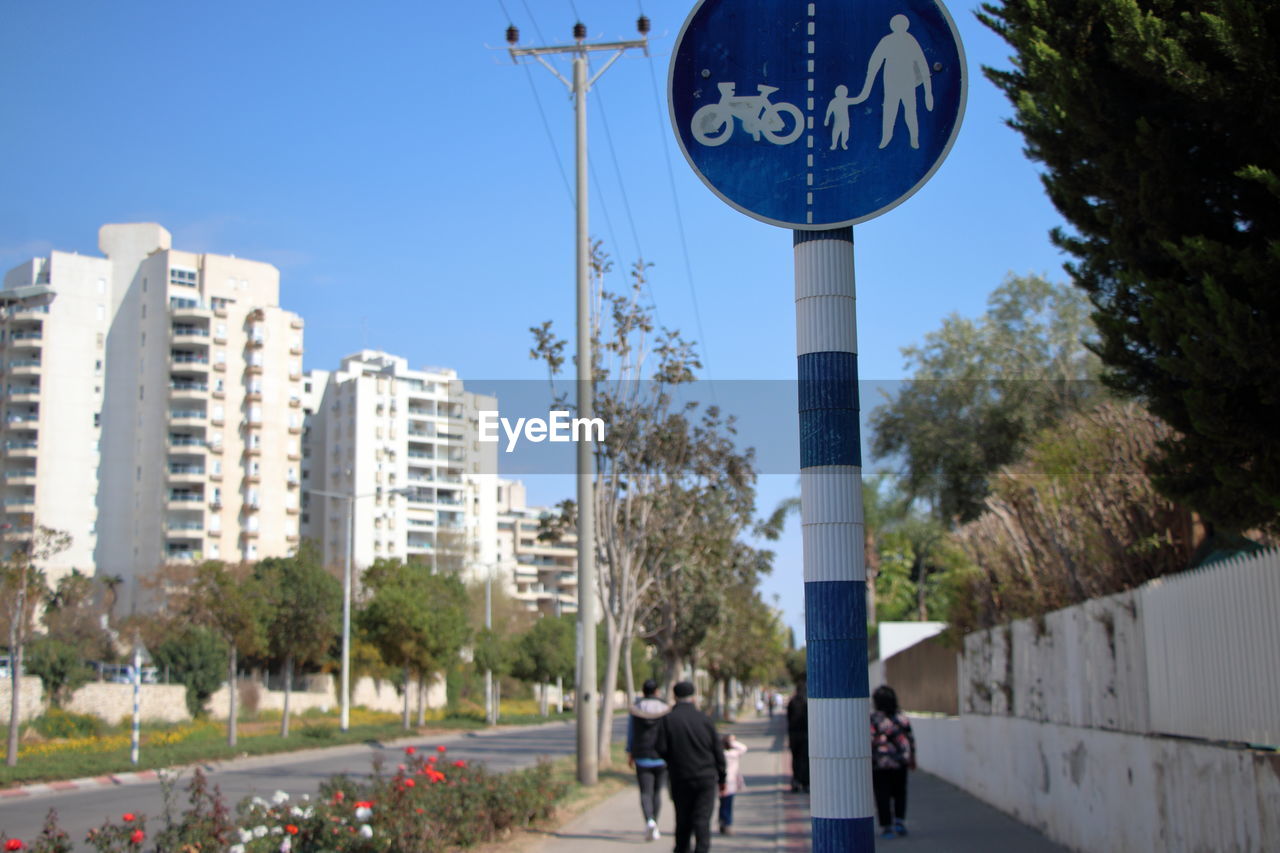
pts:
[768, 817]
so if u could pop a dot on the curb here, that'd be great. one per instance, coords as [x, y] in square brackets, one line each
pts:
[88, 782]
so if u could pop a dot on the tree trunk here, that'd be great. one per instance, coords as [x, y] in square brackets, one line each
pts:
[542, 698]
[406, 697]
[628, 673]
[231, 696]
[15, 668]
[288, 689]
[613, 650]
[422, 700]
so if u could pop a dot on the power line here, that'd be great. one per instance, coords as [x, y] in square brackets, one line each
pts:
[684, 242]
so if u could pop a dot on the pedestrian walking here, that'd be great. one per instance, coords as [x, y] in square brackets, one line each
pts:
[798, 738]
[642, 754]
[733, 780]
[893, 753]
[696, 769]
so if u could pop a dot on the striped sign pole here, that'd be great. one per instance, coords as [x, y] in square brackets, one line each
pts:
[841, 802]
[137, 706]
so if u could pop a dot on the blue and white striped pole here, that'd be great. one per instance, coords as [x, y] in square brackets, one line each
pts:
[137, 705]
[841, 802]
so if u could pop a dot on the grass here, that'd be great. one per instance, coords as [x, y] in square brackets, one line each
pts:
[257, 735]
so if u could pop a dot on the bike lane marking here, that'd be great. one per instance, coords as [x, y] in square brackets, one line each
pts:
[809, 119]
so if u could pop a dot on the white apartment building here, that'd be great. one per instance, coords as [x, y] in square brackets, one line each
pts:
[542, 576]
[190, 375]
[53, 330]
[404, 443]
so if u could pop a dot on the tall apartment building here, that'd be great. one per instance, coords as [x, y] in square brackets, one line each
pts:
[404, 443]
[542, 576]
[190, 375]
[53, 330]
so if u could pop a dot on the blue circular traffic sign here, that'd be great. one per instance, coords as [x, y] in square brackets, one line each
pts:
[816, 114]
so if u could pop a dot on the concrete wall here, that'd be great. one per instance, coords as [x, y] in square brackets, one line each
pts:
[31, 697]
[1094, 790]
[924, 677]
[365, 692]
[161, 703]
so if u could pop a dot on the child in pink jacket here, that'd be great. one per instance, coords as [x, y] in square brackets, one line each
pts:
[733, 781]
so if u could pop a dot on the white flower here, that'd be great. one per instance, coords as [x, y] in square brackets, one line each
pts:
[286, 845]
[258, 801]
[259, 832]
[236, 848]
[279, 797]
[245, 836]
[366, 831]
[277, 830]
[364, 813]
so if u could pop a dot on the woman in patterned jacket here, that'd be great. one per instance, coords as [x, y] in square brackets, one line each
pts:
[893, 753]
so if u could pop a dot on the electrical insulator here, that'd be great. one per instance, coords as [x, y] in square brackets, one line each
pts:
[513, 35]
[579, 31]
[643, 25]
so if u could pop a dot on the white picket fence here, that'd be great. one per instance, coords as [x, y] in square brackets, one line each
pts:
[1194, 655]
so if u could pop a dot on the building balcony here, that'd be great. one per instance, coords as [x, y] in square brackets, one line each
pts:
[250, 450]
[253, 369]
[253, 395]
[192, 335]
[189, 390]
[26, 394]
[24, 367]
[26, 335]
[21, 448]
[252, 477]
[293, 456]
[20, 477]
[220, 366]
[182, 555]
[20, 503]
[184, 529]
[189, 363]
[248, 534]
[187, 417]
[177, 473]
[291, 537]
[295, 323]
[187, 444]
[184, 500]
[22, 420]
[292, 510]
[255, 342]
[295, 402]
[188, 309]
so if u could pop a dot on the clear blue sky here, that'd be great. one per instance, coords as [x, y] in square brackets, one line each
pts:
[396, 167]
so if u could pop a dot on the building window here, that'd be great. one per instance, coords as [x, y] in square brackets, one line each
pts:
[186, 278]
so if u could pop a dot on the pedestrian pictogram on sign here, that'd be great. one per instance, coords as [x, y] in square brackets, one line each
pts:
[801, 152]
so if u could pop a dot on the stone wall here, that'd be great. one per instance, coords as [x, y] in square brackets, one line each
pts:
[30, 695]
[158, 703]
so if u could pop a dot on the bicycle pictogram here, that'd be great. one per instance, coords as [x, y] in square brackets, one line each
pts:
[713, 124]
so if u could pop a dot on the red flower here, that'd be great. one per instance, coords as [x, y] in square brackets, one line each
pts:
[440, 748]
[338, 797]
[409, 783]
[410, 750]
[291, 829]
[137, 836]
[127, 817]
[365, 804]
[13, 844]
[459, 763]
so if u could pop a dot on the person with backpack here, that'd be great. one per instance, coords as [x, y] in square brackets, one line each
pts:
[651, 769]
[893, 754]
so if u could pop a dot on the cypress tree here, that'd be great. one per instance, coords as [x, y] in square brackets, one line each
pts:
[1156, 123]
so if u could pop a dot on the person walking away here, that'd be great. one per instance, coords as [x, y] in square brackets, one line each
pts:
[696, 769]
[642, 754]
[893, 753]
[733, 780]
[798, 737]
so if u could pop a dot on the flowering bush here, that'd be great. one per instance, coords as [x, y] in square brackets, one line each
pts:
[429, 803]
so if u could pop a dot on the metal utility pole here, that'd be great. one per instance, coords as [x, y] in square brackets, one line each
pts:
[586, 702]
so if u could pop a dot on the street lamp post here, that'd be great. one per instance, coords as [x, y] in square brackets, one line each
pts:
[351, 499]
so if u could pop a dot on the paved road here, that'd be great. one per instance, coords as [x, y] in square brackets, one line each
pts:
[296, 773]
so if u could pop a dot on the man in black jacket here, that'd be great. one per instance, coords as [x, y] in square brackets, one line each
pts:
[688, 741]
[651, 770]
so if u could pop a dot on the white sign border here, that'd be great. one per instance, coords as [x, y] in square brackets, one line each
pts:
[803, 226]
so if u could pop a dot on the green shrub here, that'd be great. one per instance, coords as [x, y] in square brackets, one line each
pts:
[57, 723]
